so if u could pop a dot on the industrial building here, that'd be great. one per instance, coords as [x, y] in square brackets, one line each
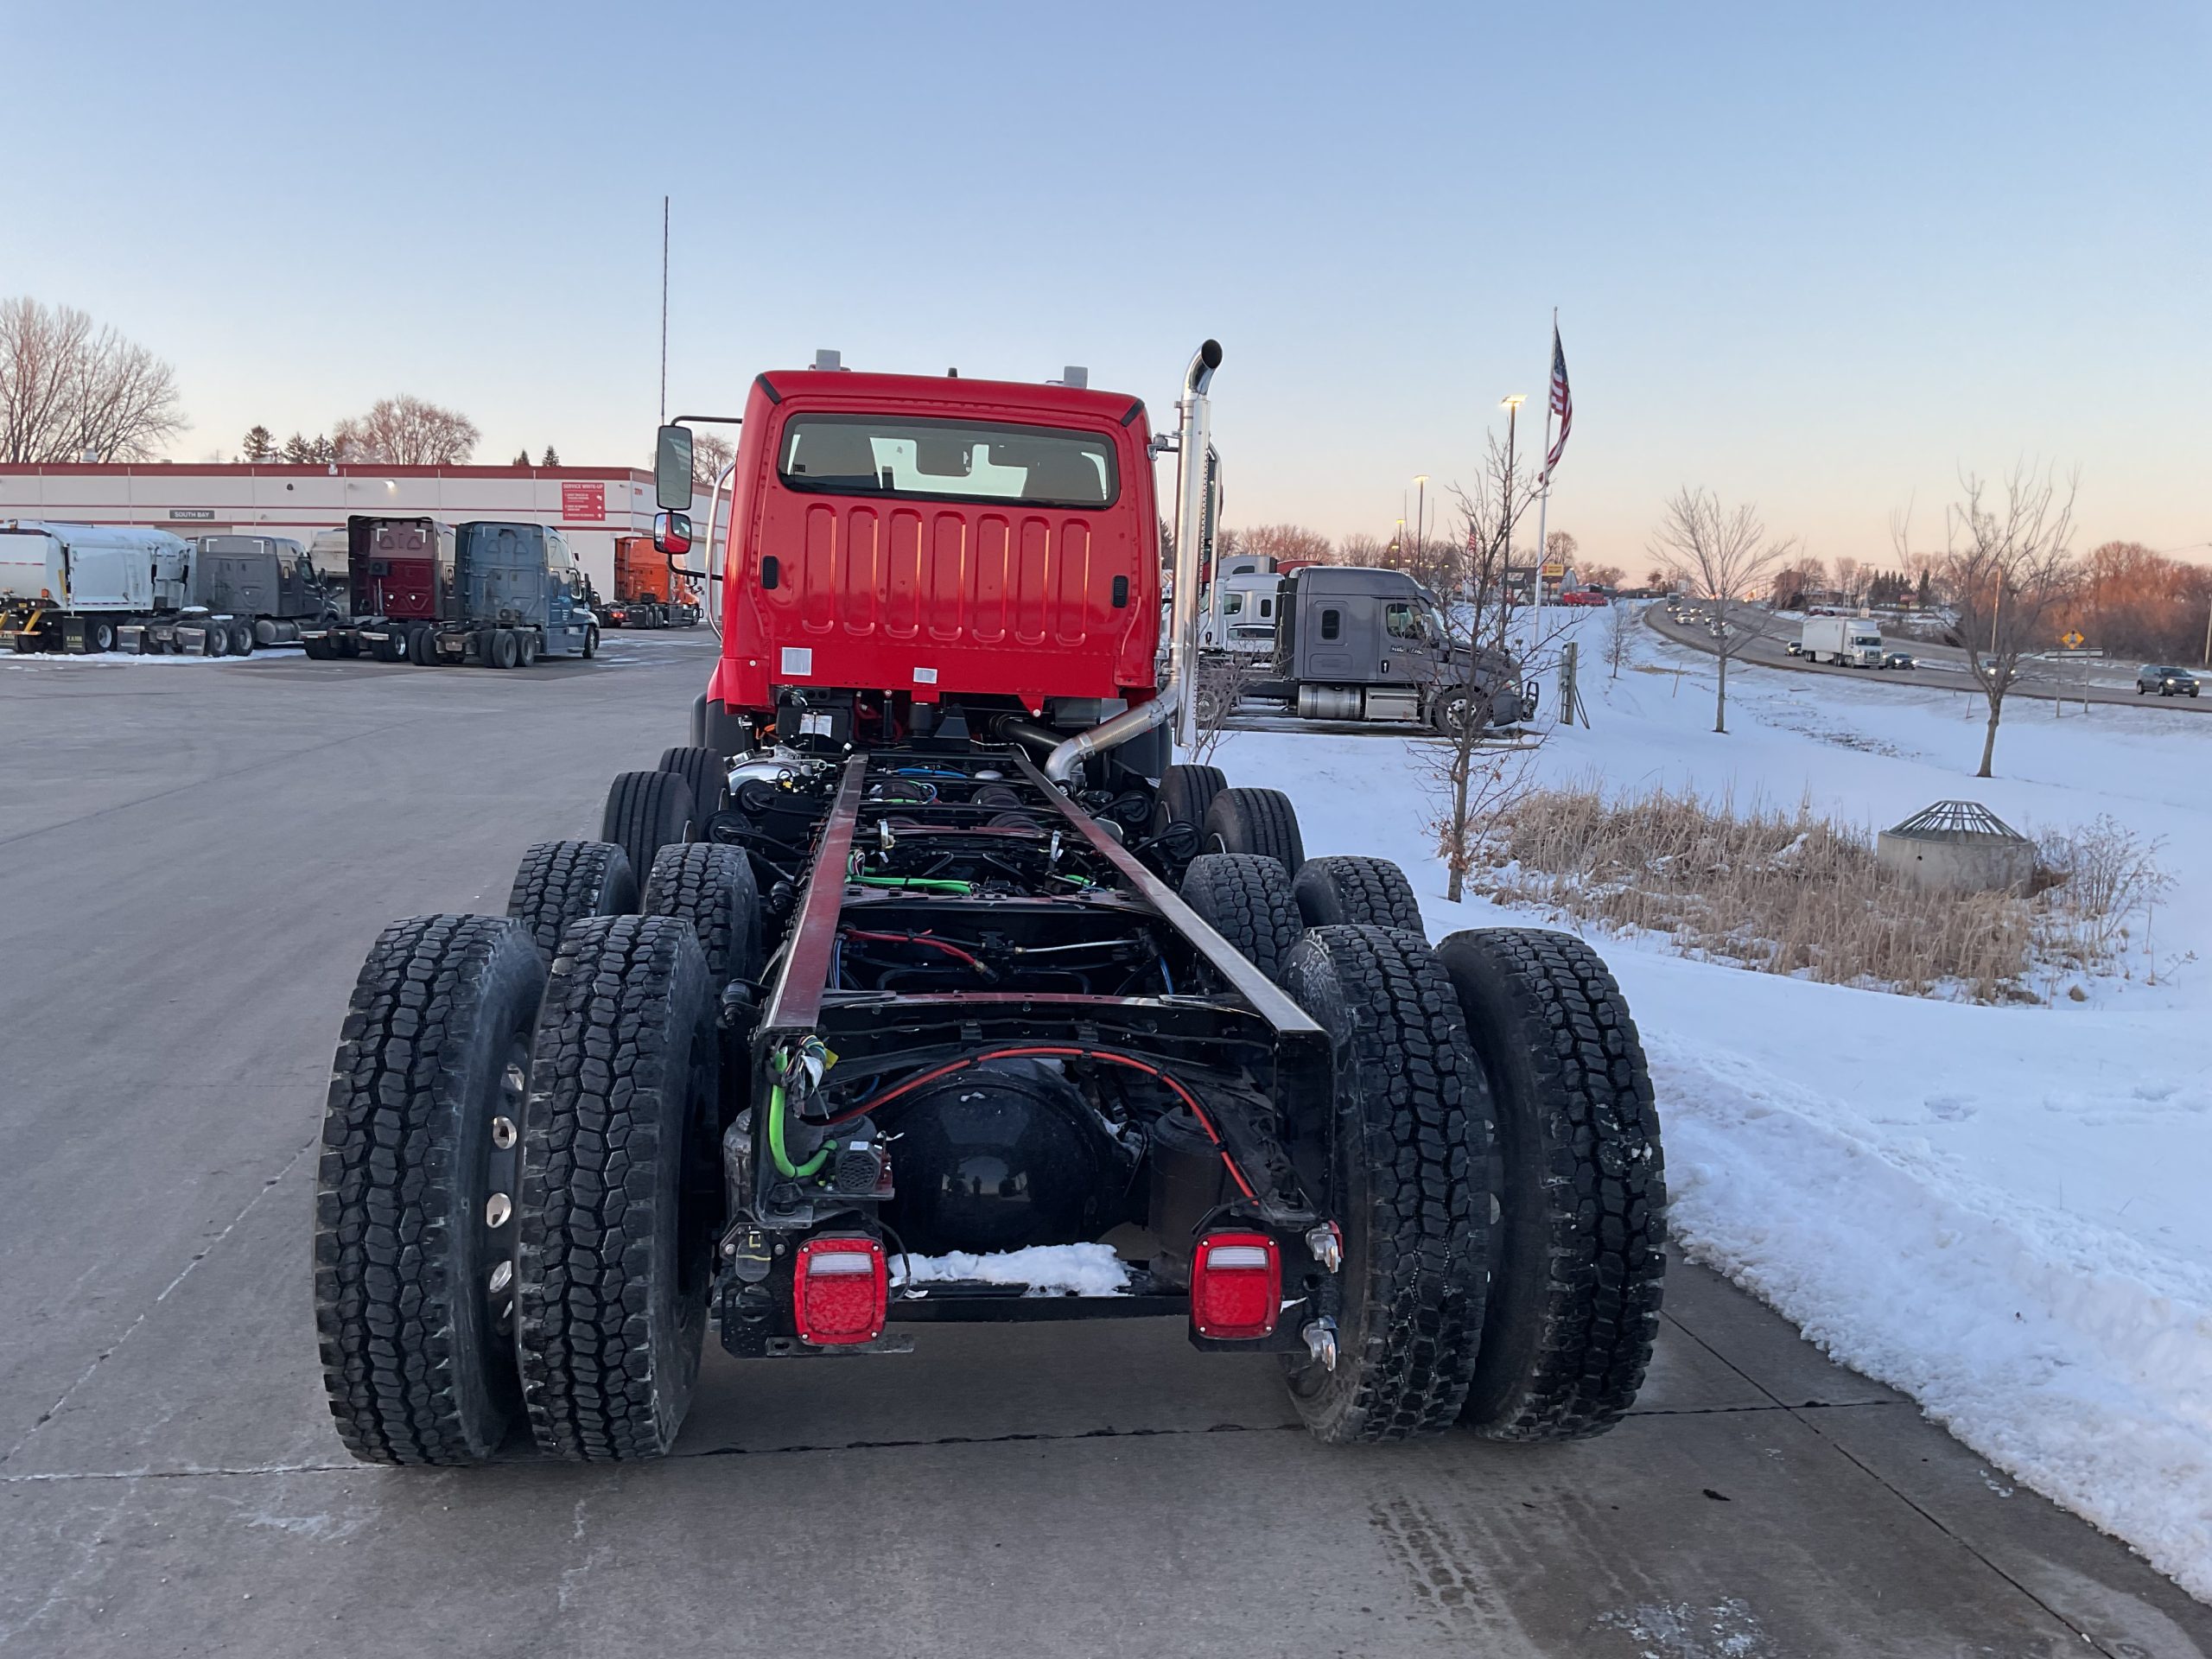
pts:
[591, 505]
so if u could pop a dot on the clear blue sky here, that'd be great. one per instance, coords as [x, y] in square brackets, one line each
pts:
[1817, 257]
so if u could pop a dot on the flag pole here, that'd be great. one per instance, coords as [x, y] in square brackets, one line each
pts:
[1544, 499]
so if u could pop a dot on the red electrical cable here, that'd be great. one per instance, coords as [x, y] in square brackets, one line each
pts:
[1109, 1056]
[929, 939]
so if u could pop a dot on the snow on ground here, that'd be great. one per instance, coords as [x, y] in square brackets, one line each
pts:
[2002, 1211]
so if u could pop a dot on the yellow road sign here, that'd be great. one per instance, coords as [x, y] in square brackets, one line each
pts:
[2070, 639]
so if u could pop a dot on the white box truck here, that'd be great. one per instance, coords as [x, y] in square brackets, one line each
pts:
[1847, 641]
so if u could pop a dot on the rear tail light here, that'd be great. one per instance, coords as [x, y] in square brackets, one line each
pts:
[1235, 1285]
[840, 1291]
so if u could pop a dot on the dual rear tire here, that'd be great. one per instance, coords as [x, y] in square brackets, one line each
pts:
[1498, 1177]
[519, 1191]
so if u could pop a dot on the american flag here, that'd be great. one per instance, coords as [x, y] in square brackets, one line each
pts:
[1562, 406]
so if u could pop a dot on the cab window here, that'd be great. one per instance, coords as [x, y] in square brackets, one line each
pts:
[1401, 622]
[1332, 623]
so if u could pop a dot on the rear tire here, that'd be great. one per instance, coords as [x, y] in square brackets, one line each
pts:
[242, 640]
[561, 882]
[214, 639]
[1411, 1139]
[502, 649]
[1260, 821]
[1248, 900]
[1578, 1257]
[621, 1191]
[416, 1360]
[100, 636]
[526, 646]
[423, 647]
[712, 888]
[1185, 794]
[1361, 891]
[700, 769]
[646, 812]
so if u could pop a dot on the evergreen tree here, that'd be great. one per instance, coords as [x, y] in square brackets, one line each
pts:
[323, 452]
[551, 459]
[523, 460]
[259, 445]
[297, 451]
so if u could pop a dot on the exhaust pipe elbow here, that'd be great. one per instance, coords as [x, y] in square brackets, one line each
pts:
[1060, 764]
[1204, 362]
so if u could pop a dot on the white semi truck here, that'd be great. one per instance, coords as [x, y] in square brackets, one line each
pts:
[1847, 641]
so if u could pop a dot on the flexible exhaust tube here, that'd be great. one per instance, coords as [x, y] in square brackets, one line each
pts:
[1193, 410]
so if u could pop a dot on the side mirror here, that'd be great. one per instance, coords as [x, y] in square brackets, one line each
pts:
[672, 469]
[672, 530]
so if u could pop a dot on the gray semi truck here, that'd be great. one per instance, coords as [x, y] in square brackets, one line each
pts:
[1352, 643]
[88, 588]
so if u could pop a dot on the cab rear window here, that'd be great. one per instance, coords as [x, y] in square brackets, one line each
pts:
[959, 460]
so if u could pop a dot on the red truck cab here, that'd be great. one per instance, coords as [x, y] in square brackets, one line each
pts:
[899, 542]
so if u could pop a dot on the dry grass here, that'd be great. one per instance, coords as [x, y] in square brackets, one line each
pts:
[1793, 891]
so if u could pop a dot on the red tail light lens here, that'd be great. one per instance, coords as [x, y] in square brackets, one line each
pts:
[1235, 1285]
[840, 1291]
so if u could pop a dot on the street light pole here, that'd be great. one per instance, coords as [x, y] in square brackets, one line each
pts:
[1505, 522]
[1420, 511]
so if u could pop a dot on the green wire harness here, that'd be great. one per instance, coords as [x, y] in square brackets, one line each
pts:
[784, 1165]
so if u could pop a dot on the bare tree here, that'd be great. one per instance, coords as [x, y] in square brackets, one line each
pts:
[2009, 568]
[1222, 676]
[406, 431]
[1365, 550]
[1285, 542]
[1473, 778]
[710, 454]
[1620, 618]
[1848, 575]
[1722, 555]
[70, 390]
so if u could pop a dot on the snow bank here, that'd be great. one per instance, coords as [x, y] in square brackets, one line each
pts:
[1047, 1269]
[2000, 1211]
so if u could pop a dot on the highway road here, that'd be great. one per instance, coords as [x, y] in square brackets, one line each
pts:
[194, 858]
[1940, 667]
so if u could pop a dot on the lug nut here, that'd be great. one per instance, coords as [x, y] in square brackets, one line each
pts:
[502, 1276]
[503, 1133]
[497, 1209]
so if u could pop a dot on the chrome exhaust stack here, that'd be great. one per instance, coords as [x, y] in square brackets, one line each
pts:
[1193, 411]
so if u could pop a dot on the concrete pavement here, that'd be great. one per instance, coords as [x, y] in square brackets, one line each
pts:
[194, 858]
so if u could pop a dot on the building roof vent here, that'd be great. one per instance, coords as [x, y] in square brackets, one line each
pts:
[829, 362]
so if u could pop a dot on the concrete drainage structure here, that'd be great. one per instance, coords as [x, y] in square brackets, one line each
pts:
[1959, 847]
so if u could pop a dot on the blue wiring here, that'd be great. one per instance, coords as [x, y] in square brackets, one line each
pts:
[1166, 977]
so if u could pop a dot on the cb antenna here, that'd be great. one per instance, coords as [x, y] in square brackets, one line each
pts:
[663, 310]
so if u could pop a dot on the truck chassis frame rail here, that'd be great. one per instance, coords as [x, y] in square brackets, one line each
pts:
[1192, 1023]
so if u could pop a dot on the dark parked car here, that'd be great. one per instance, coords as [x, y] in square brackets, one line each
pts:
[2167, 682]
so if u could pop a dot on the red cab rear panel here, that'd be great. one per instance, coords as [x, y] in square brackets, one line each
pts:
[935, 595]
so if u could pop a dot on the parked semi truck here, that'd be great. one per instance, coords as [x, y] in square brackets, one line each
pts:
[647, 592]
[1847, 641]
[922, 970]
[487, 592]
[89, 589]
[1351, 644]
[1238, 613]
